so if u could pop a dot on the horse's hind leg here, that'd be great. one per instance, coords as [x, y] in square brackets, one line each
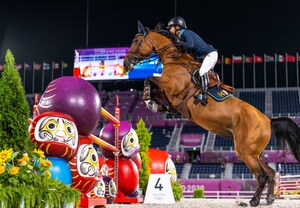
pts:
[254, 165]
[271, 173]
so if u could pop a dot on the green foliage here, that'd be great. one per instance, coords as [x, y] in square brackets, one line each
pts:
[50, 192]
[177, 190]
[199, 193]
[14, 109]
[144, 136]
[23, 181]
[144, 172]
[144, 140]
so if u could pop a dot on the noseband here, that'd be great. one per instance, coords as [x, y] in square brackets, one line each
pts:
[135, 58]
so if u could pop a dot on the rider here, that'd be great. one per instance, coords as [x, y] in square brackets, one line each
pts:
[202, 51]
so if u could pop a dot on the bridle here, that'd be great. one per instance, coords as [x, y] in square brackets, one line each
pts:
[135, 59]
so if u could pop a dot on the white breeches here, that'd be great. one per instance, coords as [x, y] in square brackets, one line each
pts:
[209, 62]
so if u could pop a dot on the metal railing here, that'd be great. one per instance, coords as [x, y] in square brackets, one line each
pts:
[224, 194]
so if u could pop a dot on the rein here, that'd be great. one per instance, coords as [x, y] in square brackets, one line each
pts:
[181, 64]
[163, 49]
[135, 59]
[159, 52]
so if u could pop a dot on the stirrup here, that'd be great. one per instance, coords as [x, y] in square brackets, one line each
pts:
[204, 99]
[197, 98]
[200, 99]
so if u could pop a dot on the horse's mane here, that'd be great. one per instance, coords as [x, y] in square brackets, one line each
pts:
[161, 29]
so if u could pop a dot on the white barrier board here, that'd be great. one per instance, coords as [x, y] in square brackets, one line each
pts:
[159, 190]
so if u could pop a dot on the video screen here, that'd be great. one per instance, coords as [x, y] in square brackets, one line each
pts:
[107, 64]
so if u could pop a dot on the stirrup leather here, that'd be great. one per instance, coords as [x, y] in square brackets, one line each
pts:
[195, 77]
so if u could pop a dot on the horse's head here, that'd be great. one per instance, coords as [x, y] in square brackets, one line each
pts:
[139, 50]
[145, 43]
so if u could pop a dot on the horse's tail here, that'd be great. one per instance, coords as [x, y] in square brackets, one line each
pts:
[287, 131]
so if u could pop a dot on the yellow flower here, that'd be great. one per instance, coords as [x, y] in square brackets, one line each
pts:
[1, 161]
[25, 154]
[5, 154]
[48, 174]
[14, 170]
[46, 163]
[24, 160]
[40, 153]
[2, 169]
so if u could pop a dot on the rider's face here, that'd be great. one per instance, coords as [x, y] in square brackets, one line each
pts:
[172, 29]
[175, 30]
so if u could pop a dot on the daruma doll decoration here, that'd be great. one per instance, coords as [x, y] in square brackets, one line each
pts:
[74, 97]
[85, 166]
[160, 163]
[128, 140]
[110, 189]
[55, 133]
[128, 175]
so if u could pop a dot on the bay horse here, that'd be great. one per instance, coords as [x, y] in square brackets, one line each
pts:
[250, 129]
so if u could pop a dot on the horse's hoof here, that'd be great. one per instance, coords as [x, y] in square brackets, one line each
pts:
[152, 105]
[254, 202]
[162, 108]
[270, 200]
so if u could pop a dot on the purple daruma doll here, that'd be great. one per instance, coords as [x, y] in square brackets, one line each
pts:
[75, 97]
[128, 141]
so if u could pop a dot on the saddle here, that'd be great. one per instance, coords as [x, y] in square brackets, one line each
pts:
[214, 80]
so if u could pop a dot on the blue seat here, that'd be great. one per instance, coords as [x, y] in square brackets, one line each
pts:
[286, 103]
[240, 170]
[256, 98]
[161, 136]
[205, 170]
[222, 143]
[179, 168]
[289, 168]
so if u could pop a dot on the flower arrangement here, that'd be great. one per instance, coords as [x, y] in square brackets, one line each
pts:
[16, 168]
[25, 181]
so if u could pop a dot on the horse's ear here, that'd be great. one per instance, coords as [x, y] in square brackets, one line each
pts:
[160, 26]
[141, 29]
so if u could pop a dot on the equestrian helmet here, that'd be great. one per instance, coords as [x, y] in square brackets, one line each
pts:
[177, 21]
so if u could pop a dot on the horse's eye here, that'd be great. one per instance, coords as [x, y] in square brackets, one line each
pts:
[135, 58]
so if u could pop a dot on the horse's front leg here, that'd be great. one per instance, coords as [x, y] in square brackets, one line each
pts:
[150, 96]
[151, 105]
[147, 90]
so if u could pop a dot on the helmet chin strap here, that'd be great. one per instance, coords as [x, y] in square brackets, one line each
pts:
[177, 32]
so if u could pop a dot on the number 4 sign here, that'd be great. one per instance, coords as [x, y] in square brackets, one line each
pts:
[159, 190]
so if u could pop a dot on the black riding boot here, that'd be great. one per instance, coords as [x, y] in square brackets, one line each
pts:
[202, 98]
[204, 82]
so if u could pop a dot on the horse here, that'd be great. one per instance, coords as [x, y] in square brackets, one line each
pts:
[250, 129]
